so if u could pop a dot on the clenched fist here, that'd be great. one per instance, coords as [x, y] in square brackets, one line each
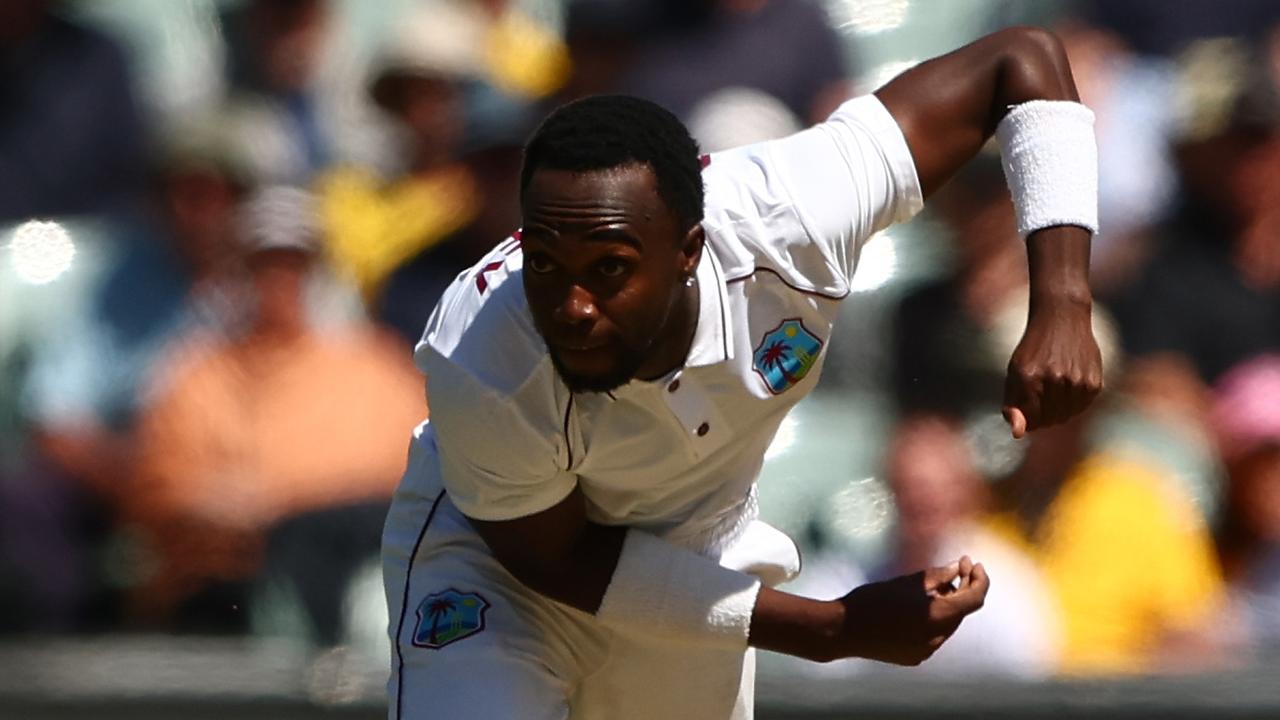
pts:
[906, 619]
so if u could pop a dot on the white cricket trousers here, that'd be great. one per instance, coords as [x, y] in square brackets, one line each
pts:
[469, 642]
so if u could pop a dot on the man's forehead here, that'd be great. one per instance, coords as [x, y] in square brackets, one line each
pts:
[631, 187]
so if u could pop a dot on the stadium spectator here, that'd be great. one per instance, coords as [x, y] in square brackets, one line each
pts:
[1127, 554]
[1212, 292]
[522, 57]
[244, 432]
[155, 277]
[413, 290]
[376, 225]
[167, 274]
[277, 101]
[1246, 415]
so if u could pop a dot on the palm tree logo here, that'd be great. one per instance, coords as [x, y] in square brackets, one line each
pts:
[786, 354]
[448, 616]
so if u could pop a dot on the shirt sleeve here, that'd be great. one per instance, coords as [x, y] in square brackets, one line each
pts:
[836, 184]
[500, 456]
[849, 177]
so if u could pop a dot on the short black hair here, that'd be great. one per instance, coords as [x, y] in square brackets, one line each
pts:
[608, 131]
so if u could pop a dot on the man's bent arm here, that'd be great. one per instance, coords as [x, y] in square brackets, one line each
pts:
[561, 555]
[947, 108]
[950, 106]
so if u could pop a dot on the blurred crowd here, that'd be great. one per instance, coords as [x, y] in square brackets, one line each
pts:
[226, 222]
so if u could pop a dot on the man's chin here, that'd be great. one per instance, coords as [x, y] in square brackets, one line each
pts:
[600, 382]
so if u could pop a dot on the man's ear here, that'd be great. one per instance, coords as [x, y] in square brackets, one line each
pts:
[691, 249]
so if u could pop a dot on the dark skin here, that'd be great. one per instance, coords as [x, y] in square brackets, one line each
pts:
[580, 227]
[605, 263]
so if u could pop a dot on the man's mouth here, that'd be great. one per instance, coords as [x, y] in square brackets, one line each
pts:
[585, 357]
[580, 347]
[582, 352]
[577, 344]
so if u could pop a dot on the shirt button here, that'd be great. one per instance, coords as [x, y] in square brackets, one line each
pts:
[674, 386]
[703, 429]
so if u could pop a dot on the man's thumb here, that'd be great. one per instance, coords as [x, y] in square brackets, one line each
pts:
[940, 577]
[1017, 421]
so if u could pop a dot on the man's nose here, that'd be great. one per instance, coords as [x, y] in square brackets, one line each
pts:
[577, 307]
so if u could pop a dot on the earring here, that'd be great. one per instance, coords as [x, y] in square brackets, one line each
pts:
[689, 281]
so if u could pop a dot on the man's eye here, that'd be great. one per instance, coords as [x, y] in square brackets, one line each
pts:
[612, 267]
[538, 263]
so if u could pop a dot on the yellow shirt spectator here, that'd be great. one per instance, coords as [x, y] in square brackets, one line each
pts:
[374, 227]
[1130, 562]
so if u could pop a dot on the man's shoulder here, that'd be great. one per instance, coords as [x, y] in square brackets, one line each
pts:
[753, 226]
[494, 398]
[482, 326]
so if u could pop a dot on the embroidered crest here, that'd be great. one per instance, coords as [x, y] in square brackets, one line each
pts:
[448, 616]
[785, 355]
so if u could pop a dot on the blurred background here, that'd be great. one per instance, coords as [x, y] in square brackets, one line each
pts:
[222, 224]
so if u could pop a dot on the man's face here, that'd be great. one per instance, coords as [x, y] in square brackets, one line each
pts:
[605, 262]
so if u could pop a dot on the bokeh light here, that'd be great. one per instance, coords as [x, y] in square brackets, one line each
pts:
[877, 264]
[41, 251]
[868, 17]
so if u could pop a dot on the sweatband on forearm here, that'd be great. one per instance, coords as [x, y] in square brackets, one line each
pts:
[1050, 159]
[668, 592]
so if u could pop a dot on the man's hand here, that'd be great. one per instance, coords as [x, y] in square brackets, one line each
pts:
[1056, 370]
[905, 620]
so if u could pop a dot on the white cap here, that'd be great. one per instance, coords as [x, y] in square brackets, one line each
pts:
[439, 39]
[280, 217]
[737, 116]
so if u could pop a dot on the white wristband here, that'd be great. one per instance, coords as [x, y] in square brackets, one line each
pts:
[1050, 159]
[668, 592]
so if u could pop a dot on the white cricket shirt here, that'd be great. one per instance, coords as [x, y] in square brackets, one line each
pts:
[678, 457]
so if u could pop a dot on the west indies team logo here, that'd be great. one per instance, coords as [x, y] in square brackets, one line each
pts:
[447, 617]
[785, 355]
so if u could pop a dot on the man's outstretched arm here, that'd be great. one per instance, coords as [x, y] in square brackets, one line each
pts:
[629, 578]
[947, 108]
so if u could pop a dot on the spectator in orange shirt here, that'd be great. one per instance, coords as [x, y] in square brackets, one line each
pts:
[245, 432]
